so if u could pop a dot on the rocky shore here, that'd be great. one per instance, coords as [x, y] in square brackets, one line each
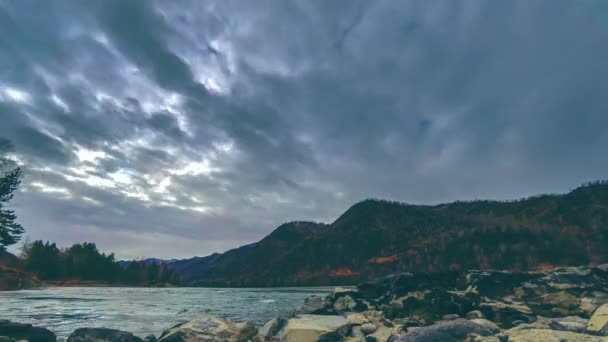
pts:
[562, 304]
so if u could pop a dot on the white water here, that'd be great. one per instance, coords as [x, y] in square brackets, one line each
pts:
[144, 311]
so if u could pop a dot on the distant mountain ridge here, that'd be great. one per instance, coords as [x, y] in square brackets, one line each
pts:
[374, 238]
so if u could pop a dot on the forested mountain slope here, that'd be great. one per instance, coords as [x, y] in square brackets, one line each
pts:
[376, 237]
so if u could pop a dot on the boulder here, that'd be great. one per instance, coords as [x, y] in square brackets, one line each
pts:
[506, 313]
[22, 331]
[452, 331]
[598, 323]
[208, 329]
[313, 305]
[313, 328]
[498, 283]
[592, 300]
[357, 318]
[271, 329]
[368, 328]
[546, 335]
[102, 335]
[343, 291]
[382, 334]
[403, 283]
[570, 323]
[485, 323]
[344, 303]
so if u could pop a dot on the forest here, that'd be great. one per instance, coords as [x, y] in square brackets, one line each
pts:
[84, 262]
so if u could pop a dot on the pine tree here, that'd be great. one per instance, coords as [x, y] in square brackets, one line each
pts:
[10, 178]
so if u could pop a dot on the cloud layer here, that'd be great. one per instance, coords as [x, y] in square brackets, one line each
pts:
[182, 128]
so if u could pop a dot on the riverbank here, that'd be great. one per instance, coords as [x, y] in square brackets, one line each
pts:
[563, 304]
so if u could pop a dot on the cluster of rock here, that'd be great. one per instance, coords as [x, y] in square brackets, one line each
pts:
[564, 304]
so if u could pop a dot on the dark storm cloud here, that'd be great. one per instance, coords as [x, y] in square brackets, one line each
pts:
[186, 127]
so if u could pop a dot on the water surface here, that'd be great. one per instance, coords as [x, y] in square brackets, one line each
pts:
[144, 311]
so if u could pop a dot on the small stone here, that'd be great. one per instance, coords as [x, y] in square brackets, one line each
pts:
[450, 317]
[475, 314]
[368, 328]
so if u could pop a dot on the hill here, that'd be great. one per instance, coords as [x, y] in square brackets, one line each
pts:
[375, 238]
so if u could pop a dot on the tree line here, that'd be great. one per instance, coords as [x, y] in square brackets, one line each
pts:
[84, 262]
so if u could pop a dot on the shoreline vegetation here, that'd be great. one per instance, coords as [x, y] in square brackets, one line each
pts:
[560, 304]
[44, 264]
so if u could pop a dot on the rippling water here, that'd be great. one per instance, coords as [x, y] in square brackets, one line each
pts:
[144, 311]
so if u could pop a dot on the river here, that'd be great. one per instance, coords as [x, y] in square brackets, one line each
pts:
[144, 311]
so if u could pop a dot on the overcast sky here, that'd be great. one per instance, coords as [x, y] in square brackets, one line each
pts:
[182, 128]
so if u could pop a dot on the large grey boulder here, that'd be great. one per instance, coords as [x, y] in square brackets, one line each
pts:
[313, 305]
[22, 331]
[102, 335]
[452, 331]
[210, 329]
[547, 335]
[315, 328]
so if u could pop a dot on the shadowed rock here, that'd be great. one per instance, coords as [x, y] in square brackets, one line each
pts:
[102, 335]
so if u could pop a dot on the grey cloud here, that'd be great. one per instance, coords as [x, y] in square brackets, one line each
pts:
[216, 121]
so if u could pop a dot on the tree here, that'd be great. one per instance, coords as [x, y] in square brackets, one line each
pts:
[10, 178]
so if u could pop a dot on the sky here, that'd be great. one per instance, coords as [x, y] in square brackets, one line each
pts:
[178, 128]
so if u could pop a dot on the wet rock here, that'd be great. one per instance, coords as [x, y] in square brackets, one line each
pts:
[102, 335]
[150, 338]
[210, 328]
[546, 335]
[312, 328]
[452, 331]
[21, 331]
[450, 317]
[598, 323]
[313, 305]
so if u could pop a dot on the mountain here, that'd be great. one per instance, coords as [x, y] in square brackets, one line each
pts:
[125, 263]
[375, 238]
[7, 258]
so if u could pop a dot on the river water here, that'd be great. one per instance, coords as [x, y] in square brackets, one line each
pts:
[144, 311]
